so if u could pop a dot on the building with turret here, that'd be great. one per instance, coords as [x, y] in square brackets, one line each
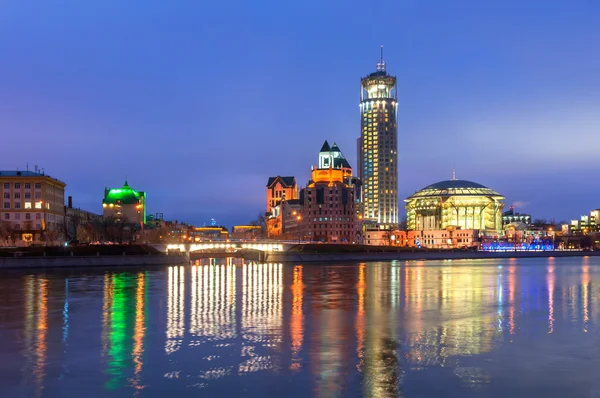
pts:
[125, 205]
[328, 202]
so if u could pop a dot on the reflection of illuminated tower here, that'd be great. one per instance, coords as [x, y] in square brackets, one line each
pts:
[378, 146]
[123, 317]
[381, 364]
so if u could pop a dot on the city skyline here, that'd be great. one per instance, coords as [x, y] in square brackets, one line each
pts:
[505, 94]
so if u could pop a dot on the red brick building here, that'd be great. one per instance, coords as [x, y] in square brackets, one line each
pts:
[328, 201]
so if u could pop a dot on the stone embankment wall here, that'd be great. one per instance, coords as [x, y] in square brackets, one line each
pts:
[280, 257]
[90, 261]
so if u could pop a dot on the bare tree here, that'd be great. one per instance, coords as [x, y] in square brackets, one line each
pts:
[52, 236]
[6, 232]
[261, 221]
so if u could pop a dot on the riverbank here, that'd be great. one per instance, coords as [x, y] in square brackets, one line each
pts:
[87, 261]
[295, 257]
[86, 256]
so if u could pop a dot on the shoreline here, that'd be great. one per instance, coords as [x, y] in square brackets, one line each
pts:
[286, 257]
[16, 263]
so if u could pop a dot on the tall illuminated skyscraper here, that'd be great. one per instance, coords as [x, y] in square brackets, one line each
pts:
[378, 147]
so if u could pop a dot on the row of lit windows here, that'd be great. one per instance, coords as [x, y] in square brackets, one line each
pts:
[337, 226]
[28, 205]
[332, 219]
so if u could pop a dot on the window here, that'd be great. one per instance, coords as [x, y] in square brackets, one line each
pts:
[17, 185]
[38, 216]
[6, 195]
[38, 185]
[6, 185]
[38, 195]
[28, 216]
[28, 205]
[27, 186]
[17, 195]
[27, 195]
[38, 226]
[7, 216]
[38, 205]
[17, 216]
[6, 205]
[17, 205]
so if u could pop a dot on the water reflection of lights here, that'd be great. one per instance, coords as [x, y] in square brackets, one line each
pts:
[175, 308]
[585, 294]
[512, 280]
[381, 366]
[360, 317]
[463, 298]
[123, 328]
[212, 306]
[261, 315]
[139, 331]
[41, 330]
[297, 319]
[550, 281]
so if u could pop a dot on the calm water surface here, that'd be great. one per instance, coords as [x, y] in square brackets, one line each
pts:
[498, 328]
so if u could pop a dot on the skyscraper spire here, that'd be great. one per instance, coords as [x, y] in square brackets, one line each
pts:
[453, 173]
[381, 63]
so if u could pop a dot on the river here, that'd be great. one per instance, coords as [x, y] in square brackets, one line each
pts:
[467, 328]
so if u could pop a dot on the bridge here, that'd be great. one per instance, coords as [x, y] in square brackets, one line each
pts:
[227, 247]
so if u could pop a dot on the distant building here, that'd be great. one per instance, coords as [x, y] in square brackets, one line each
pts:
[200, 234]
[510, 216]
[586, 224]
[32, 205]
[280, 188]
[328, 201]
[125, 205]
[79, 223]
[285, 220]
[247, 232]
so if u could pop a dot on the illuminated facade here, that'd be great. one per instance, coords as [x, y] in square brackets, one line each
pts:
[32, 204]
[246, 231]
[125, 205]
[280, 188]
[377, 147]
[459, 204]
[328, 201]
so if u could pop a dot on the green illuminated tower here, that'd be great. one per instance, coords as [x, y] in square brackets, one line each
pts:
[377, 147]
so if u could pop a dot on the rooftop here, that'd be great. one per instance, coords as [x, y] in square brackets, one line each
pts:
[455, 188]
[285, 181]
[25, 173]
[126, 195]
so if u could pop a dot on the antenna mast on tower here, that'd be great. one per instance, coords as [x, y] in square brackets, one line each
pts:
[381, 63]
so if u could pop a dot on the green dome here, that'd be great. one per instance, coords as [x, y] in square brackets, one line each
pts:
[126, 195]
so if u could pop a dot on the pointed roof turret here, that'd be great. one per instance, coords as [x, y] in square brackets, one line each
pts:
[325, 147]
[335, 148]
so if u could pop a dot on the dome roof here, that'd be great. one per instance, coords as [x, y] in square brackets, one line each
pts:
[455, 188]
[126, 195]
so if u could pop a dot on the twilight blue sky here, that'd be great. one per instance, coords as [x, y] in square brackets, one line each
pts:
[199, 102]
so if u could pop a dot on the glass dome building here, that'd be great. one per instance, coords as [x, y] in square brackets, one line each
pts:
[454, 203]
